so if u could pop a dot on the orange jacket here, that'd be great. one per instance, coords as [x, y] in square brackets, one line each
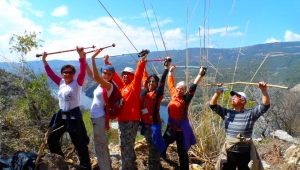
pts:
[148, 103]
[176, 105]
[130, 110]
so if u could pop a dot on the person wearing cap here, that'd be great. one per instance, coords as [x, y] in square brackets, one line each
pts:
[98, 110]
[69, 116]
[130, 85]
[238, 150]
[179, 128]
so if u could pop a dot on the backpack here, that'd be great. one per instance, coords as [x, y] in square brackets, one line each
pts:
[113, 103]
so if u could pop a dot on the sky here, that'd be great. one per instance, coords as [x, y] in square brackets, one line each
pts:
[133, 25]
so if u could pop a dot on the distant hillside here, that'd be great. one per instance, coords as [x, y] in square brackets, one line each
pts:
[9, 91]
[281, 69]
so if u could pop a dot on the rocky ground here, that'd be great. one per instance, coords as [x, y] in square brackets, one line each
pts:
[272, 151]
[275, 153]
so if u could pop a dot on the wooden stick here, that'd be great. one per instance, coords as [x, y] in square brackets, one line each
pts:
[246, 83]
[43, 145]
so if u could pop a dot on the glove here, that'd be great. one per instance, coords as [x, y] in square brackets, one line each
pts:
[202, 71]
[143, 52]
[167, 60]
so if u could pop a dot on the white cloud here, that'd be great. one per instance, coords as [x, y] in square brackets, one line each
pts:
[101, 32]
[233, 34]
[13, 22]
[149, 13]
[223, 31]
[60, 11]
[290, 36]
[271, 40]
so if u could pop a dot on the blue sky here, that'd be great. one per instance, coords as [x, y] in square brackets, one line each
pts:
[64, 24]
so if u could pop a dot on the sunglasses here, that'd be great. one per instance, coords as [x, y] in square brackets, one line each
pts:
[68, 72]
[151, 82]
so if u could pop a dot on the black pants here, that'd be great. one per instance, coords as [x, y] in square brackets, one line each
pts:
[183, 155]
[76, 138]
[237, 160]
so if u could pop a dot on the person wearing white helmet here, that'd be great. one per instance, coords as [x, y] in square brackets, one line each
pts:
[238, 150]
[130, 85]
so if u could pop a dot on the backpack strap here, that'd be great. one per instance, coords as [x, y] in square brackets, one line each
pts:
[105, 97]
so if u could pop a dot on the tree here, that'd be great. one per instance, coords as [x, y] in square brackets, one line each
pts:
[283, 111]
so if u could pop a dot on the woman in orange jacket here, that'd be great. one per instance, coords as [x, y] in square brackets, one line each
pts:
[178, 128]
[151, 98]
[130, 85]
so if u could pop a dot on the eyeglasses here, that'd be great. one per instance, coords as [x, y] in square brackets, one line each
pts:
[69, 72]
[151, 82]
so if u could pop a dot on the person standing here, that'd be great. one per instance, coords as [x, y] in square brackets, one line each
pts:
[130, 85]
[69, 114]
[238, 150]
[179, 128]
[98, 110]
[151, 122]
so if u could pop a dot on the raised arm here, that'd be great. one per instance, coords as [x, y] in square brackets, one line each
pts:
[139, 71]
[49, 71]
[161, 85]
[116, 78]
[144, 79]
[96, 75]
[89, 71]
[264, 91]
[171, 84]
[201, 74]
[216, 96]
[82, 65]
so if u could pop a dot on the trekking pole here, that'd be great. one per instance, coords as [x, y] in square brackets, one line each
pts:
[113, 45]
[41, 150]
[246, 83]
[38, 55]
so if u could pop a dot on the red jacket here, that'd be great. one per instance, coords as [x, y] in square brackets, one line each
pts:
[176, 105]
[130, 110]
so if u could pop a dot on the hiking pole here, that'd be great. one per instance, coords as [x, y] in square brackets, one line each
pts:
[254, 84]
[43, 145]
[187, 66]
[38, 55]
[113, 45]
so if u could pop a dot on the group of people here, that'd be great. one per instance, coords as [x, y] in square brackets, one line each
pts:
[142, 96]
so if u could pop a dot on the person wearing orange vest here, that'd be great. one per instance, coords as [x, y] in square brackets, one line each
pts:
[130, 85]
[151, 121]
[179, 128]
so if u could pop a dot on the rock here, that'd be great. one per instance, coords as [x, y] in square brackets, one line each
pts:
[115, 163]
[292, 155]
[280, 134]
[265, 165]
[53, 162]
[114, 125]
[140, 146]
[257, 139]
[195, 167]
